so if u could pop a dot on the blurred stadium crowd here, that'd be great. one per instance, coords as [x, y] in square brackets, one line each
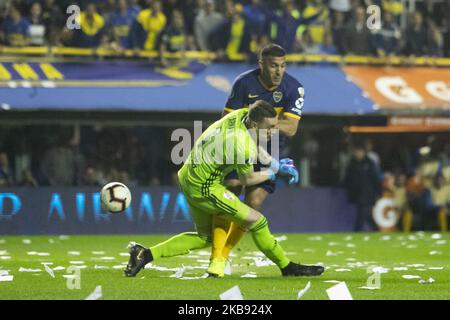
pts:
[418, 28]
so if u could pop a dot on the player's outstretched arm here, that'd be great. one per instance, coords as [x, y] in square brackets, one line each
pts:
[253, 178]
[288, 125]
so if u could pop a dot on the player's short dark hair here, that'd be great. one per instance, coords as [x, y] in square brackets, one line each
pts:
[261, 109]
[272, 50]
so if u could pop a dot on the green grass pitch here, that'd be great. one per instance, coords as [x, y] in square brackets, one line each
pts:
[102, 257]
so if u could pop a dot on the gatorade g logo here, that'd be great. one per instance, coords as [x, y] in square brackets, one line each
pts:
[397, 90]
[10, 205]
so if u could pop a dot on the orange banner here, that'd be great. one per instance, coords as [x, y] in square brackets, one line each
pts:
[402, 87]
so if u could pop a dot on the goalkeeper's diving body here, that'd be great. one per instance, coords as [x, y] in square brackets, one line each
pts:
[227, 145]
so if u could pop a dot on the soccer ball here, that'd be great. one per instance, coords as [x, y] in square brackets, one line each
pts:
[115, 197]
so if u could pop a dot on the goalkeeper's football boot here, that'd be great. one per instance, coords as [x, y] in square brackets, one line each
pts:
[297, 270]
[139, 257]
[216, 268]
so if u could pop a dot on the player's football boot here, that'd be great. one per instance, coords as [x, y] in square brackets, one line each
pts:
[216, 268]
[139, 257]
[297, 270]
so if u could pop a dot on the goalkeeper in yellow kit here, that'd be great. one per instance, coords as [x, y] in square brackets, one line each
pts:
[226, 145]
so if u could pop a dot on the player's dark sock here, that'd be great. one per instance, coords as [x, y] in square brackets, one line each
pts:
[139, 257]
[296, 270]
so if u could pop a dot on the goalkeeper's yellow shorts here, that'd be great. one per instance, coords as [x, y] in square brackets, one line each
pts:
[216, 200]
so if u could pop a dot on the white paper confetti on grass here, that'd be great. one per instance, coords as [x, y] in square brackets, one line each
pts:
[434, 252]
[58, 268]
[204, 276]
[302, 292]
[22, 269]
[385, 238]
[441, 242]
[178, 273]
[6, 278]
[73, 253]
[339, 292]
[64, 237]
[232, 294]
[281, 238]
[80, 266]
[430, 280]
[124, 254]
[118, 267]
[331, 281]
[227, 270]
[151, 266]
[26, 241]
[107, 258]
[369, 288]
[249, 275]
[3, 253]
[342, 270]
[32, 253]
[316, 238]
[400, 268]
[415, 265]
[409, 276]
[4, 272]
[5, 258]
[436, 268]
[380, 270]
[100, 267]
[43, 254]
[49, 271]
[261, 262]
[436, 236]
[102, 252]
[76, 262]
[97, 294]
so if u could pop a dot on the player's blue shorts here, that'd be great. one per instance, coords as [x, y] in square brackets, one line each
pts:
[267, 185]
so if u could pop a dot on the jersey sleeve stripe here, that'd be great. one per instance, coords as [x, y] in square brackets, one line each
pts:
[292, 115]
[229, 109]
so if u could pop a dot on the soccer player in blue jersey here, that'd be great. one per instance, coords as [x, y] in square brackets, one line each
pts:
[272, 84]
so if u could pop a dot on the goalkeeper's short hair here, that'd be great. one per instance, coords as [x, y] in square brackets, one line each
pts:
[261, 109]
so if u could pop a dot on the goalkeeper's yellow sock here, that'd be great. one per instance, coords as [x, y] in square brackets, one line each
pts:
[235, 234]
[219, 236]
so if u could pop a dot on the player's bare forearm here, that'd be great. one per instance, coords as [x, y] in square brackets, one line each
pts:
[256, 177]
[288, 125]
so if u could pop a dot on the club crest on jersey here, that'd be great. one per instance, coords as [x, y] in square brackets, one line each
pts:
[277, 96]
[228, 195]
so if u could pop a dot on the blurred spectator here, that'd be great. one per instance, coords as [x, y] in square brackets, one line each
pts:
[431, 11]
[92, 29]
[134, 8]
[394, 7]
[328, 46]
[387, 39]
[28, 180]
[363, 185]
[341, 6]
[37, 28]
[416, 37]
[399, 193]
[233, 36]
[420, 202]
[205, 24]
[356, 34]
[192, 9]
[338, 31]
[15, 29]
[54, 21]
[435, 41]
[318, 26]
[91, 177]
[147, 27]
[440, 193]
[307, 45]
[255, 15]
[174, 37]
[284, 26]
[120, 24]
[5, 171]
[446, 38]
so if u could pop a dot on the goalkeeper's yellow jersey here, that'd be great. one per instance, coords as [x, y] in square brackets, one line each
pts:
[225, 146]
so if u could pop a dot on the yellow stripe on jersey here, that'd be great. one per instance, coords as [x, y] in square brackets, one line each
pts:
[229, 109]
[292, 115]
